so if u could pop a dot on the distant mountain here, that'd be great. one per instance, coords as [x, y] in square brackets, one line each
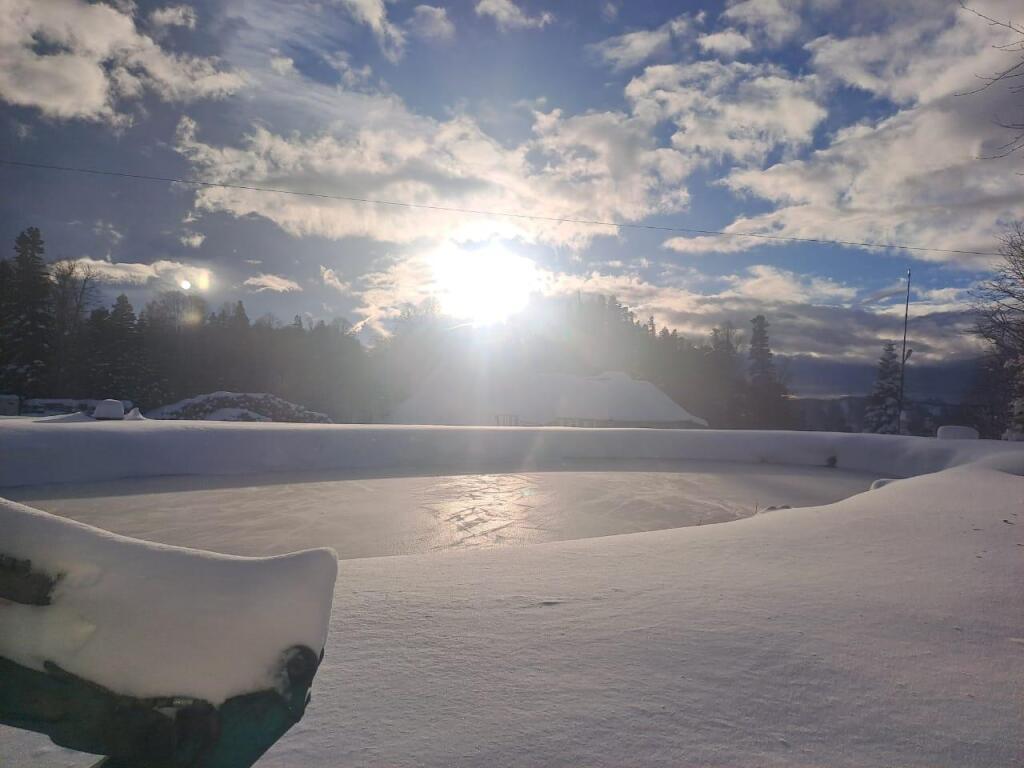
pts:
[813, 377]
[846, 414]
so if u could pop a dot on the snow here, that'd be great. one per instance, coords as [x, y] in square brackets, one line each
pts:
[51, 406]
[237, 406]
[109, 409]
[151, 620]
[35, 452]
[234, 414]
[952, 432]
[883, 629]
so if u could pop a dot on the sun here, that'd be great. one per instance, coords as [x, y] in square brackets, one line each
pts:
[484, 286]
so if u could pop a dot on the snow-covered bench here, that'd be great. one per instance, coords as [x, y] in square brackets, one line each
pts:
[154, 655]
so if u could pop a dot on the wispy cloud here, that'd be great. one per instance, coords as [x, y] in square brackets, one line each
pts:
[274, 283]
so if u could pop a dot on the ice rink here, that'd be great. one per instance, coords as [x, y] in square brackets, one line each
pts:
[371, 516]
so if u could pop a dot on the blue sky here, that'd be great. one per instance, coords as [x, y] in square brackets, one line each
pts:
[807, 118]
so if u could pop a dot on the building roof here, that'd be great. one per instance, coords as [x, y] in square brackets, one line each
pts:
[449, 396]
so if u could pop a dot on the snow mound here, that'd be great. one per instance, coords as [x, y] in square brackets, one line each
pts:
[952, 432]
[234, 414]
[238, 406]
[57, 406]
[110, 410]
[150, 620]
[65, 418]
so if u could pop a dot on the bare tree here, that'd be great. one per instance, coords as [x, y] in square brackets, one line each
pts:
[999, 303]
[1012, 77]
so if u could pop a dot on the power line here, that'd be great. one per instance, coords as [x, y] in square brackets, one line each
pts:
[479, 212]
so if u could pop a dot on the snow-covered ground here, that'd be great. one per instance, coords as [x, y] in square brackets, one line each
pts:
[883, 629]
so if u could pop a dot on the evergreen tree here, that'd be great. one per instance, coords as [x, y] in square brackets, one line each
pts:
[28, 329]
[723, 393]
[762, 362]
[767, 404]
[882, 413]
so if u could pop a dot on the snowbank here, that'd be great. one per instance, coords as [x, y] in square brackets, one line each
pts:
[53, 452]
[149, 620]
[238, 406]
[55, 406]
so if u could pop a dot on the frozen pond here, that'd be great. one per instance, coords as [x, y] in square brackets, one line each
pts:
[368, 516]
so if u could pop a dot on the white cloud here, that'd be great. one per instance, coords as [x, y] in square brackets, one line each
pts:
[776, 21]
[729, 109]
[173, 16]
[384, 293]
[598, 165]
[374, 14]
[431, 23]
[913, 177]
[635, 48]
[98, 58]
[283, 66]
[331, 279]
[108, 230]
[918, 61]
[192, 239]
[728, 43]
[767, 283]
[508, 15]
[274, 283]
[161, 273]
[352, 77]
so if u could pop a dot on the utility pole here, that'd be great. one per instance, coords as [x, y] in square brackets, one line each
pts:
[903, 357]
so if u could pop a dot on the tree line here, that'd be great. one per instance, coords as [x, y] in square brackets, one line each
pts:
[58, 340]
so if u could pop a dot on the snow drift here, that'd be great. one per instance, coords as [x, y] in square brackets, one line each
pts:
[35, 452]
[149, 620]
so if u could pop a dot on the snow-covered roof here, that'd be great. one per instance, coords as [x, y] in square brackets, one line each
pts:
[449, 396]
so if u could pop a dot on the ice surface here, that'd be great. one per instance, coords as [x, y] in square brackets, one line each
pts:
[151, 620]
[365, 515]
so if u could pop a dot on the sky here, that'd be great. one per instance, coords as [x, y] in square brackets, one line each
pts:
[862, 121]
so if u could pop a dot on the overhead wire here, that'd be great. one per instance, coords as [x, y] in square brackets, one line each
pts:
[483, 212]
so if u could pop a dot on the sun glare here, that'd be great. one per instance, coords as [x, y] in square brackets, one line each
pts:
[484, 287]
[185, 285]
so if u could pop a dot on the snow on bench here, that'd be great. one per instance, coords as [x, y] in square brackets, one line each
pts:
[106, 627]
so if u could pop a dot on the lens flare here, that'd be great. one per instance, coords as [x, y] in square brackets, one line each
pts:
[485, 286]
